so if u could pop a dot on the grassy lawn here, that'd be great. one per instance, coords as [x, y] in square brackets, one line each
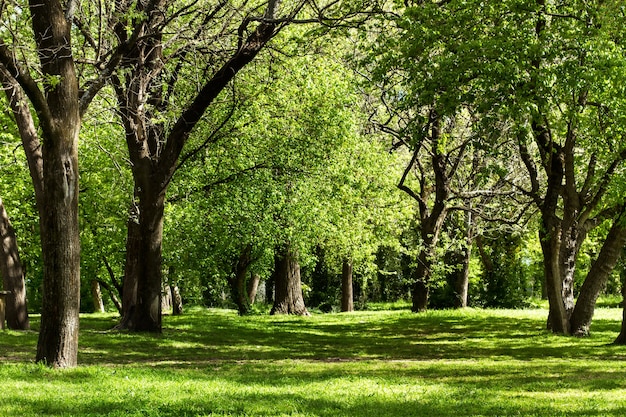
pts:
[377, 363]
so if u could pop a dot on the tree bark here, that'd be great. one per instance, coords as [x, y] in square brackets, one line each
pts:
[129, 284]
[597, 277]
[177, 300]
[60, 123]
[253, 286]
[621, 338]
[12, 275]
[288, 297]
[461, 284]
[347, 293]
[237, 280]
[96, 295]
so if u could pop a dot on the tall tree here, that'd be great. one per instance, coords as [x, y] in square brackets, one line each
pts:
[56, 101]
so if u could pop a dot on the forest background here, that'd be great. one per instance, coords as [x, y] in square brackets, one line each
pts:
[452, 153]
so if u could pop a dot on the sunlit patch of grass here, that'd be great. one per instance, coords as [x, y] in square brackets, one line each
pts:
[370, 363]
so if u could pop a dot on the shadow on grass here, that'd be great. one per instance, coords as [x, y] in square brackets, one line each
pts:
[206, 336]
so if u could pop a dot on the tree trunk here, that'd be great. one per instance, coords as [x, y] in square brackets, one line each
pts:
[12, 275]
[60, 123]
[419, 290]
[96, 295]
[597, 278]
[238, 281]
[177, 300]
[461, 284]
[621, 338]
[111, 292]
[288, 297]
[253, 286]
[129, 285]
[147, 311]
[347, 295]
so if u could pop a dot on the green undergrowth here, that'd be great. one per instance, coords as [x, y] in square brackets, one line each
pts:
[372, 363]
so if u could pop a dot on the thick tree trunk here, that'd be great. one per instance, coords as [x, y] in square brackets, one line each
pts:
[238, 281]
[12, 275]
[96, 295]
[253, 286]
[60, 123]
[558, 317]
[288, 297]
[347, 294]
[420, 290]
[129, 285]
[597, 278]
[147, 312]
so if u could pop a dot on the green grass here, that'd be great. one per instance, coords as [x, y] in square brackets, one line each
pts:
[374, 363]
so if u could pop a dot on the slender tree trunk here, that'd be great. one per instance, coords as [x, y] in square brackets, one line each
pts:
[288, 298]
[253, 286]
[621, 338]
[177, 300]
[96, 295]
[461, 284]
[111, 291]
[12, 275]
[597, 278]
[238, 280]
[347, 294]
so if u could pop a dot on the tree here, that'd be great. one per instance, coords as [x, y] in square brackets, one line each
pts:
[12, 275]
[426, 74]
[150, 86]
[56, 101]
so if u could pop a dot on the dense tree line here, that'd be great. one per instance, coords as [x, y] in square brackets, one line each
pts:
[455, 153]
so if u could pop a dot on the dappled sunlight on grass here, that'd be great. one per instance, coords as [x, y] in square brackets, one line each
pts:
[372, 363]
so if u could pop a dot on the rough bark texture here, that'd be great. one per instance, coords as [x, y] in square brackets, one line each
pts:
[288, 297]
[597, 278]
[12, 275]
[129, 285]
[60, 123]
[347, 293]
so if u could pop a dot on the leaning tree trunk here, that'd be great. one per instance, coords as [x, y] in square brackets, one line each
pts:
[96, 295]
[288, 298]
[347, 293]
[12, 275]
[597, 278]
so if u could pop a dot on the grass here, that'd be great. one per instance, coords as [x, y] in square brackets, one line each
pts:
[374, 363]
